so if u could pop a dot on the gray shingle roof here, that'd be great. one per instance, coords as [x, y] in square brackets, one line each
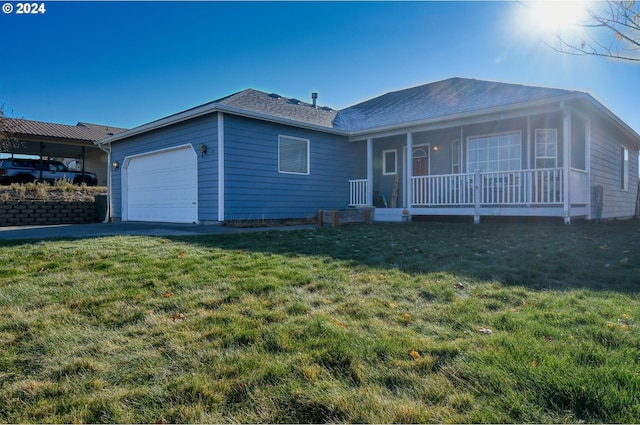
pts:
[82, 131]
[429, 101]
[440, 100]
[444, 98]
[278, 106]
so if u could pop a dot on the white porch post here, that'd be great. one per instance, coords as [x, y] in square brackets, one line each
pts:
[409, 169]
[528, 156]
[370, 172]
[566, 162]
[477, 192]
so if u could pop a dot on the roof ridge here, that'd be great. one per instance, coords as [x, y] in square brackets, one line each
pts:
[468, 79]
[226, 97]
[89, 125]
[276, 96]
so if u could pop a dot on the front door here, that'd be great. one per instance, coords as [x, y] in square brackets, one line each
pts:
[420, 168]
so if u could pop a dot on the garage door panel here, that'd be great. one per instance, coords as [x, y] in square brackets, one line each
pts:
[163, 187]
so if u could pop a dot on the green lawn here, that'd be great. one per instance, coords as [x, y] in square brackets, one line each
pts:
[422, 322]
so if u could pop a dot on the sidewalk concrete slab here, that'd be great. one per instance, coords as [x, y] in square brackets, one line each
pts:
[131, 229]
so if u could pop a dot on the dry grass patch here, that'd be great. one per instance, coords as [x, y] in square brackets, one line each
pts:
[61, 190]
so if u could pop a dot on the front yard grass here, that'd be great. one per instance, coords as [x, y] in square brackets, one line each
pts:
[421, 322]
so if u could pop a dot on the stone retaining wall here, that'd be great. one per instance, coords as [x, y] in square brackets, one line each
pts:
[26, 213]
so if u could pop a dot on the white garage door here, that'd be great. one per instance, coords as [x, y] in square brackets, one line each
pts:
[161, 186]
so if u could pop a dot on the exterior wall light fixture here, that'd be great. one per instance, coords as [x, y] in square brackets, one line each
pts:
[116, 165]
[203, 149]
[436, 148]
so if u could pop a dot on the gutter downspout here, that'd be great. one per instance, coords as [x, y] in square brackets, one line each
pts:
[107, 217]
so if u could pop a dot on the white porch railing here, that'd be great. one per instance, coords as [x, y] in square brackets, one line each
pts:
[521, 187]
[449, 189]
[358, 193]
[541, 187]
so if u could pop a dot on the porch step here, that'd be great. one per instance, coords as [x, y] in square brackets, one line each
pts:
[389, 215]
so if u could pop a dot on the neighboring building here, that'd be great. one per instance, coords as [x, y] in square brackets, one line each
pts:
[453, 147]
[75, 144]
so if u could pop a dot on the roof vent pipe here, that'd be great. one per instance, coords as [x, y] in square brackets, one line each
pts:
[314, 97]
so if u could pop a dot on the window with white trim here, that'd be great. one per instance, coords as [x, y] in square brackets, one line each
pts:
[293, 155]
[546, 148]
[624, 168]
[389, 162]
[495, 152]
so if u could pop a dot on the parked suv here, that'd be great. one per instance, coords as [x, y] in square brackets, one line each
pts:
[28, 170]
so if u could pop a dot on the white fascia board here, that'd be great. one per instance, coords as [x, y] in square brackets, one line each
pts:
[208, 109]
[173, 119]
[613, 118]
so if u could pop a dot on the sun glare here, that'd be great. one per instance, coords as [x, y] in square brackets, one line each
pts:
[557, 16]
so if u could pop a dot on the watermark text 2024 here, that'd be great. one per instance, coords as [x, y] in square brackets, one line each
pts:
[24, 8]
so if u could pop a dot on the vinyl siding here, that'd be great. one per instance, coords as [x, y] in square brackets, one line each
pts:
[255, 190]
[383, 184]
[440, 161]
[606, 143]
[194, 132]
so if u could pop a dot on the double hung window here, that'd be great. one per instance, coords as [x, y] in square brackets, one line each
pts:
[546, 148]
[293, 155]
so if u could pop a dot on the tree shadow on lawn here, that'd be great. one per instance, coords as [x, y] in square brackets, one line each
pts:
[539, 255]
[536, 255]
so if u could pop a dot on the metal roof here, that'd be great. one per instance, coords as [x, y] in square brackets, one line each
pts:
[25, 129]
[55, 140]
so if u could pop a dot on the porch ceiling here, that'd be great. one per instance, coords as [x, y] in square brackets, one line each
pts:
[53, 149]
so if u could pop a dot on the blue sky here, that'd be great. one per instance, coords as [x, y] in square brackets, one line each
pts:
[128, 63]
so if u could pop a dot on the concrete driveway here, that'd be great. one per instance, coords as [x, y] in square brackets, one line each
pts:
[129, 228]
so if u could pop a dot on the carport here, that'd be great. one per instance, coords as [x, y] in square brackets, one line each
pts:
[49, 140]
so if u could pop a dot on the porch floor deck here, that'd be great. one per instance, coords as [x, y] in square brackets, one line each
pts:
[397, 215]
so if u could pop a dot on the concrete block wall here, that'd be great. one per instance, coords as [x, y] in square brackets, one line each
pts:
[26, 213]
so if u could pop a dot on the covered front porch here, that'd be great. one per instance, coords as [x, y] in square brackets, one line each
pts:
[540, 192]
[536, 165]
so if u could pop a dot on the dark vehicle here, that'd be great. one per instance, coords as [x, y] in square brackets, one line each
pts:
[28, 170]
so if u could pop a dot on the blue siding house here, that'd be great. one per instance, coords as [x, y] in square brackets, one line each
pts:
[453, 147]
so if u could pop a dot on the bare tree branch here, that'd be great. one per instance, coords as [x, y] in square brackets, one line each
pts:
[8, 130]
[611, 29]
